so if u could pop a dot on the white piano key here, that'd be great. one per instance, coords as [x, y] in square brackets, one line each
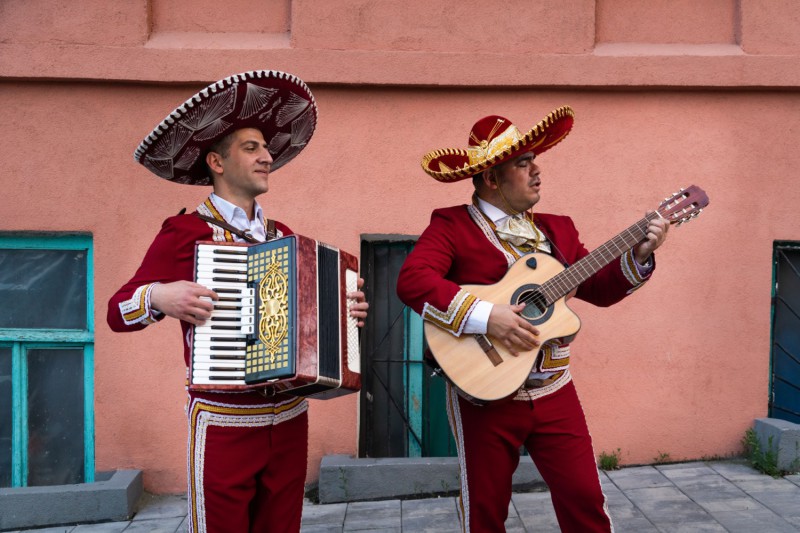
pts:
[204, 380]
[216, 256]
[212, 268]
[239, 285]
[233, 374]
[246, 329]
[208, 365]
[232, 250]
[207, 278]
[205, 340]
[202, 354]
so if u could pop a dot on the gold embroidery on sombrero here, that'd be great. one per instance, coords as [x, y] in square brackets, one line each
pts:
[208, 209]
[489, 149]
[454, 318]
[205, 413]
[136, 309]
[444, 168]
[452, 164]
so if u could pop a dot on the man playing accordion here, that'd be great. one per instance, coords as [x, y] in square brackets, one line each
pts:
[247, 452]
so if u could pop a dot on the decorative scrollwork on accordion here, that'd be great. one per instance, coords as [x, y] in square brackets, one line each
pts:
[274, 310]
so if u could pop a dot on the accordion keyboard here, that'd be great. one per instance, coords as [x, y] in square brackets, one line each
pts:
[220, 344]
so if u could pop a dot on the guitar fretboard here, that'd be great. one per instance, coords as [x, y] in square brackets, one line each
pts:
[565, 281]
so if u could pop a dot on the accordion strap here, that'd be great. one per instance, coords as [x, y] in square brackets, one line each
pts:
[236, 231]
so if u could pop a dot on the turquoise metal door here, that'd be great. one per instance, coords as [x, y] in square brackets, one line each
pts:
[785, 358]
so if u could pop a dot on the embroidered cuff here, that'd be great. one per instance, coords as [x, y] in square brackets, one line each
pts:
[478, 319]
[634, 273]
[137, 309]
[455, 317]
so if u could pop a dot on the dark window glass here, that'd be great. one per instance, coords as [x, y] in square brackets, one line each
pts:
[55, 417]
[43, 288]
[5, 417]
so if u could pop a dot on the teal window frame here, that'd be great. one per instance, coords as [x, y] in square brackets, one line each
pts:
[22, 340]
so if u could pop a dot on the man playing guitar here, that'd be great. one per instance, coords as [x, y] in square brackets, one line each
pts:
[476, 244]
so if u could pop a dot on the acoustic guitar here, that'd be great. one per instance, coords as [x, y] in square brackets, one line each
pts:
[481, 366]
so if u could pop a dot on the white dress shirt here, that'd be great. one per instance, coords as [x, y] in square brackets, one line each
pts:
[236, 217]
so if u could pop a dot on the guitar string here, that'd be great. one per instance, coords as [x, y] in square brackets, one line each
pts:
[540, 297]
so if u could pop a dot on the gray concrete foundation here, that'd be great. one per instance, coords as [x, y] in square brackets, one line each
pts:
[112, 498]
[785, 440]
[346, 479]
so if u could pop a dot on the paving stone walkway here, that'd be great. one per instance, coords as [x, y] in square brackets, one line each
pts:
[693, 497]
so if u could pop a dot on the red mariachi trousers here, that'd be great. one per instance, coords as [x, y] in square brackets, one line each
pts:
[554, 431]
[247, 466]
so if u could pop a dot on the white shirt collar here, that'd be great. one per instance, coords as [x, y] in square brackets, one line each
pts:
[236, 217]
[495, 214]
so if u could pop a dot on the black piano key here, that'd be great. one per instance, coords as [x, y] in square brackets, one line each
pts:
[228, 307]
[227, 357]
[226, 290]
[227, 339]
[226, 319]
[231, 251]
[228, 280]
[226, 271]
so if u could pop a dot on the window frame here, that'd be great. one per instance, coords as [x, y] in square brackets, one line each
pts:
[20, 340]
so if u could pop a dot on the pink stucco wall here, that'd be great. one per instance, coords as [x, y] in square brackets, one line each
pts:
[679, 368]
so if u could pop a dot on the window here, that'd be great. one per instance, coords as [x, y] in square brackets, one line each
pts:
[46, 359]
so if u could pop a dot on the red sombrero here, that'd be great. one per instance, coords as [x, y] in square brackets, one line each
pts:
[495, 139]
[278, 104]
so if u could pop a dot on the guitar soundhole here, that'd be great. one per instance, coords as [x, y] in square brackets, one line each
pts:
[534, 307]
[536, 310]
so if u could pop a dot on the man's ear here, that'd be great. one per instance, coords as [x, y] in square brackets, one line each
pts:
[490, 178]
[214, 162]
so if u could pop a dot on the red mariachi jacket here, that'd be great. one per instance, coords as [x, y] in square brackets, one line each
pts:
[170, 258]
[460, 247]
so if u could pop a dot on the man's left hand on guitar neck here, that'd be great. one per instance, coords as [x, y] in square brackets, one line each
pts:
[656, 235]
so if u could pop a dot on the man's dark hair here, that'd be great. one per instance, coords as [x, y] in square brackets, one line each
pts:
[222, 147]
[477, 179]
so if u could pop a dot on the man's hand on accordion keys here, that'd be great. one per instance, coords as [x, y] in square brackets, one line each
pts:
[358, 303]
[184, 300]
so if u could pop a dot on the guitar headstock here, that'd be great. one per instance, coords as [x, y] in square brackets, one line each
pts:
[683, 205]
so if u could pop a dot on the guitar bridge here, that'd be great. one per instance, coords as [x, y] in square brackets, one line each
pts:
[488, 348]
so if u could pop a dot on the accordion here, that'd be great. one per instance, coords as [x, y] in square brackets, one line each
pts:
[281, 322]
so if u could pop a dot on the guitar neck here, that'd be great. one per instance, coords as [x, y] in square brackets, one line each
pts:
[564, 282]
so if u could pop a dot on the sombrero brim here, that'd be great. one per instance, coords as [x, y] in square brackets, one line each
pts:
[453, 164]
[277, 103]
